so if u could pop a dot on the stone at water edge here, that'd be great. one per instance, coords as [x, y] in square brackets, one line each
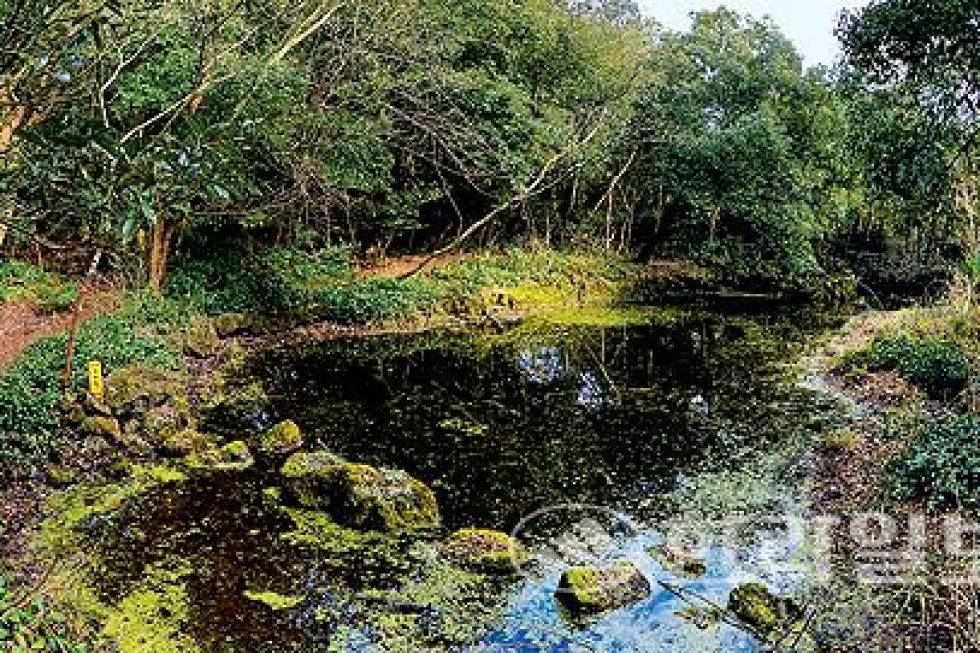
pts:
[232, 457]
[360, 496]
[757, 607]
[305, 473]
[485, 551]
[590, 591]
[282, 439]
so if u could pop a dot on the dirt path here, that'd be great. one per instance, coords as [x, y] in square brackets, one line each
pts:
[399, 266]
[21, 325]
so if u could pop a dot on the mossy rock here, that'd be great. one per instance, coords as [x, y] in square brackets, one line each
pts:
[485, 551]
[590, 591]
[767, 614]
[186, 442]
[360, 496]
[281, 440]
[200, 338]
[232, 457]
[680, 562]
[60, 476]
[138, 388]
[161, 422]
[103, 427]
[228, 325]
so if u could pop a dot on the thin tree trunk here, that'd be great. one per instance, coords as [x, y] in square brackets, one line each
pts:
[160, 240]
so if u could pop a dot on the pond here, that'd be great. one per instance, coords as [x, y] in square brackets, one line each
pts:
[648, 426]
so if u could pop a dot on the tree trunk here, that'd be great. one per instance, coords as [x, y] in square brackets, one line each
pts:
[160, 240]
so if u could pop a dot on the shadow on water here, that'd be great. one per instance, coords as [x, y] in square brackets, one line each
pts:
[609, 412]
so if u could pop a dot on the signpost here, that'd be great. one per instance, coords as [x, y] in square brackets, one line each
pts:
[96, 386]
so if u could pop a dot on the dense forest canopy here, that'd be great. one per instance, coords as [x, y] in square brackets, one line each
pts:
[412, 124]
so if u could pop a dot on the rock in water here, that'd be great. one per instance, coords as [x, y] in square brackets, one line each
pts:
[360, 496]
[679, 561]
[588, 591]
[762, 610]
[484, 551]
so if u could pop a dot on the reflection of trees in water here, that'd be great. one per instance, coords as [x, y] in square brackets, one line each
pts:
[578, 414]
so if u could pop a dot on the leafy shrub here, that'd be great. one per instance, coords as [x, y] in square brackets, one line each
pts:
[31, 388]
[942, 466]
[28, 624]
[937, 366]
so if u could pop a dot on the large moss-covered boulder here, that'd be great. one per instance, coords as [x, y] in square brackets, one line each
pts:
[484, 551]
[281, 440]
[589, 591]
[360, 496]
[137, 388]
[305, 473]
[757, 607]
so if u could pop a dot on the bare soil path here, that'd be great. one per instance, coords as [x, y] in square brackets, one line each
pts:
[21, 324]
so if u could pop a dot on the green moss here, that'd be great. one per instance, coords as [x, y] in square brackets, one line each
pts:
[760, 609]
[318, 531]
[586, 591]
[485, 551]
[281, 440]
[186, 442]
[200, 338]
[104, 427]
[232, 457]
[136, 383]
[273, 601]
[154, 617]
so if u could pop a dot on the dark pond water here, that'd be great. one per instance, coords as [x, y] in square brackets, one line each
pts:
[501, 425]
[627, 413]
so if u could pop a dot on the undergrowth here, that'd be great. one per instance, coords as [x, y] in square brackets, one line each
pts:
[21, 281]
[30, 389]
[323, 283]
[27, 623]
[942, 466]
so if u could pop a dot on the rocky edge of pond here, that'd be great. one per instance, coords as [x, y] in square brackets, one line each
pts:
[145, 435]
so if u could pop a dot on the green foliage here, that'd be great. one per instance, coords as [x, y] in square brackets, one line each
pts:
[374, 300]
[743, 150]
[937, 366]
[30, 389]
[19, 280]
[272, 280]
[942, 466]
[28, 624]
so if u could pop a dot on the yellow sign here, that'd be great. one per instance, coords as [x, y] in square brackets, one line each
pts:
[141, 240]
[96, 386]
